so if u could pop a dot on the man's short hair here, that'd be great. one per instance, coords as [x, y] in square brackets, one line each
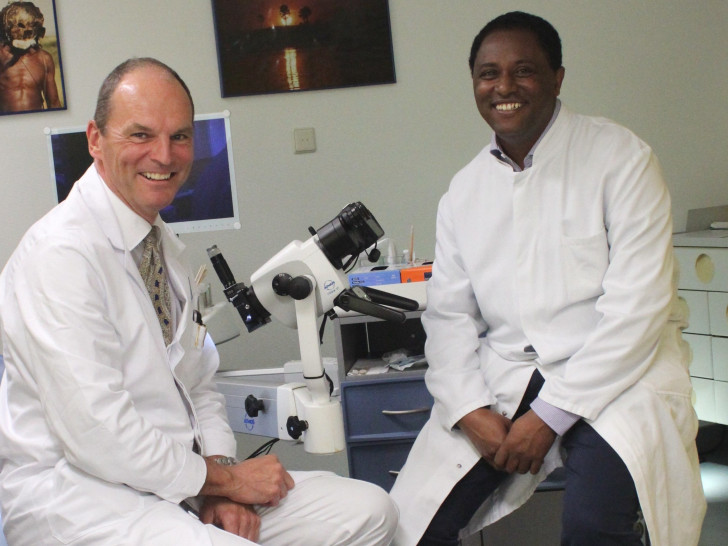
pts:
[545, 33]
[103, 102]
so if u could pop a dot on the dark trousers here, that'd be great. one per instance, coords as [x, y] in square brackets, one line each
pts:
[600, 504]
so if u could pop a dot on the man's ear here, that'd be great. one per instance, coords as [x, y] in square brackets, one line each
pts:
[559, 79]
[93, 135]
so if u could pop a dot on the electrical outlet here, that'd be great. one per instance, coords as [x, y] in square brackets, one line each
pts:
[304, 140]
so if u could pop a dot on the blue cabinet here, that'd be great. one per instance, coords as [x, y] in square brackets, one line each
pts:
[382, 417]
[383, 413]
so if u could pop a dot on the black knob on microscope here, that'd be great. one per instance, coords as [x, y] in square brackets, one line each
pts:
[253, 406]
[296, 287]
[295, 427]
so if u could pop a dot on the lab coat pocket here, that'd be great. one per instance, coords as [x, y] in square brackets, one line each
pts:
[585, 261]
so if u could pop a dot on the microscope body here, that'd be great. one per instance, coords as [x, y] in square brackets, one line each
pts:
[304, 281]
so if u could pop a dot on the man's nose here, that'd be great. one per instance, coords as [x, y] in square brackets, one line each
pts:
[162, 151]
[506, 84]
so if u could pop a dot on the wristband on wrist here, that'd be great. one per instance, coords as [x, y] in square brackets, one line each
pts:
[226, 461]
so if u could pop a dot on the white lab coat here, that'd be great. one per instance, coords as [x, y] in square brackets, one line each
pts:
[92, 424]
[574, 257]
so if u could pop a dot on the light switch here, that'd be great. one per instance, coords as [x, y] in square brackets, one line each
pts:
[304, 140]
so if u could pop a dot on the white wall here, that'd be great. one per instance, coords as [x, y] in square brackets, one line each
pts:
[658, 67]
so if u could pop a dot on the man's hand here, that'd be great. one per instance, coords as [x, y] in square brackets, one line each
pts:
[233, 517]
[525, 446]
[262, 480]
[486, 429]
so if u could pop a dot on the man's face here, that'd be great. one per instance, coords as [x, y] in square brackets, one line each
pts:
[146, 151]
[515, 88]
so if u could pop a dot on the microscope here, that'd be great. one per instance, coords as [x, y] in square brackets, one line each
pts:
[302, 282]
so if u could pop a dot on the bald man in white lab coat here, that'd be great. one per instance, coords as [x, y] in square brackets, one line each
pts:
[110, 422]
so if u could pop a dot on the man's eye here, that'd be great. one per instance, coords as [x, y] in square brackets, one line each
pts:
[181, 137]
[524, 71]
[488, 74]
[139, 136]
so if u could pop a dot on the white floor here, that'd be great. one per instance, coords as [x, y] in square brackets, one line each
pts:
[715, 484]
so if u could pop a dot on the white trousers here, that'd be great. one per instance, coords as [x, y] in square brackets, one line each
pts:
[322, 509]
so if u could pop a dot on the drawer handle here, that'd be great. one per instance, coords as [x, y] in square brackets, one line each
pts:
[405, 412]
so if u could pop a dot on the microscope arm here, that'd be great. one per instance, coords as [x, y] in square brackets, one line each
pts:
[370, 301]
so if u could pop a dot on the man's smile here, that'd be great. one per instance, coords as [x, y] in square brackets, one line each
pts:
[508, 106]
[157, 176]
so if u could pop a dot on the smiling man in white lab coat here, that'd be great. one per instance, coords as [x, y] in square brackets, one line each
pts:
[553, 335]
[109, 416]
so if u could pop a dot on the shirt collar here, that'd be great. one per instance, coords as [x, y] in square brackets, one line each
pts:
[133, 227]
[498, 152]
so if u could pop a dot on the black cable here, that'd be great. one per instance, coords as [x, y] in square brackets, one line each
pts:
[350, 263]
[322, 329]
[263, 450]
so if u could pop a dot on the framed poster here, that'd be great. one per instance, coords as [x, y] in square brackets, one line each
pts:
[31, 76]
[265, 46]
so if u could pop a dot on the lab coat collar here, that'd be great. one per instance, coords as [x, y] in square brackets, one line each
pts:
[497, 151]
[91, 189]
[172, 245]
[124, 228]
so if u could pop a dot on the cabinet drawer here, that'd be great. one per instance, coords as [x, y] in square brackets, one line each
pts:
[384, 407]
[701, 359]
[718, 306]
[697, 310]
[378, 462]
[703, 268]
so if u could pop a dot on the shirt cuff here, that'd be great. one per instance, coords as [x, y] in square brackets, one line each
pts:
[558, 419]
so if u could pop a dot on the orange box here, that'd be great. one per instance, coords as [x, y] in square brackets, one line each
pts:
[416, 274]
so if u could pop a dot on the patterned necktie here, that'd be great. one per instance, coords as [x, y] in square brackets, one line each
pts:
[155, 279]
